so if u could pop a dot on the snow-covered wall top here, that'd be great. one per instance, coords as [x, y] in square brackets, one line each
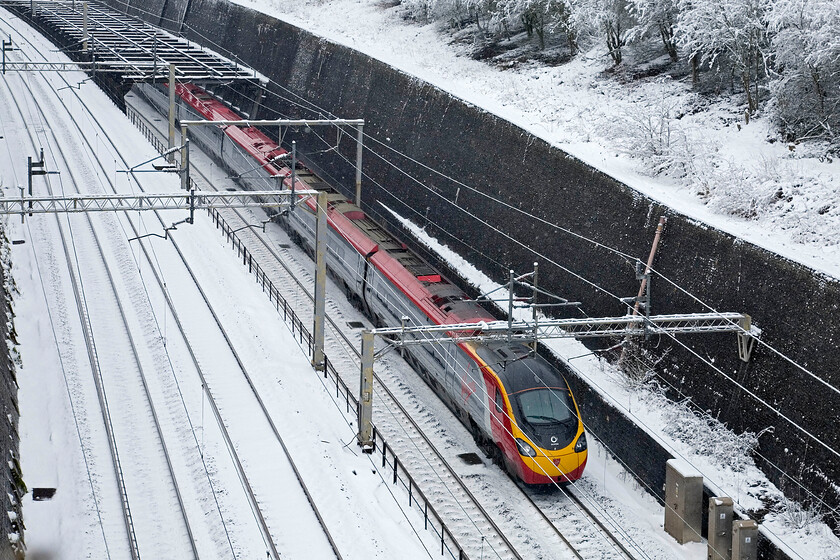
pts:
[515, 201]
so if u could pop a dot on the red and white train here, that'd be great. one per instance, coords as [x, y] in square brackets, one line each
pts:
[518, 407]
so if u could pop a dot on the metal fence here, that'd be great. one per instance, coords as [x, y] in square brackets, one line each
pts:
[391, 466]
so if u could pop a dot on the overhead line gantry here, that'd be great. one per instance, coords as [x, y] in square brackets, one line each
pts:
[99, 39]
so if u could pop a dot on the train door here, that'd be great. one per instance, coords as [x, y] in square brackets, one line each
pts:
[499, 416]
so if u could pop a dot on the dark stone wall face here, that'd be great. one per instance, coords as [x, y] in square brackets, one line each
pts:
[796, 308]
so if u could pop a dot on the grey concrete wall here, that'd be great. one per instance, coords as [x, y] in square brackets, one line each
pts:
[796, 307]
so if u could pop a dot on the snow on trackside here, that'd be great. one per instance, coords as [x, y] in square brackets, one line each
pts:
[62, 434]
[720, 456]
[734, 179]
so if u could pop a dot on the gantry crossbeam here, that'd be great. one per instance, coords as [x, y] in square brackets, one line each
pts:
[193, 200]
[115, 42]
[692, 323]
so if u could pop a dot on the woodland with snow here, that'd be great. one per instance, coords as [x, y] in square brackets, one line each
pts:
[674, 75]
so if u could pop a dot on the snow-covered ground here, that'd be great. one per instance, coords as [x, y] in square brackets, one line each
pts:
[792, 199]
[62, 443]
[65, 526]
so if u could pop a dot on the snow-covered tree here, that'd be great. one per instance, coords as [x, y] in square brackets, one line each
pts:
[806, 85]
[656, 17]
[734, 31]
[541, 16]
[610, 17]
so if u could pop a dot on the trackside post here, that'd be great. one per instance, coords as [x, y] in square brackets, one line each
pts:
[320, 280]
[366, 394]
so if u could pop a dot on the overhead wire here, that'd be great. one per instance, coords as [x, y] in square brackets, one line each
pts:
[799, 366]
[450, 359]
[86, 114]
[604, 290]
[530, 215]
[591, 283]
[752, 394]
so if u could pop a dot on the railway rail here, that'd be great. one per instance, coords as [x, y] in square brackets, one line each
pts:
[282, 266]
[116, 374]
[211, 387]
[423, 457]
[420, 456]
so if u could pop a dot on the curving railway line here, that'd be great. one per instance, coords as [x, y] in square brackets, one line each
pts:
[527, 523]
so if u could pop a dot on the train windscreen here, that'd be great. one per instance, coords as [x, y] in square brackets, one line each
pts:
[544, 406]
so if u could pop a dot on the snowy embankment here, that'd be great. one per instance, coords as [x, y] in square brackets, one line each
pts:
[736, 177]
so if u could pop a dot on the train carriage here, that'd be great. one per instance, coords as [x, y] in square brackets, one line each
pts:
[518, 407]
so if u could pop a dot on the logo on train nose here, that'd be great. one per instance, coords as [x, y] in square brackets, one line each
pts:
[553, 439]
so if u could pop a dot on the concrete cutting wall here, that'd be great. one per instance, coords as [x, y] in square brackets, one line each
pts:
[796, 307]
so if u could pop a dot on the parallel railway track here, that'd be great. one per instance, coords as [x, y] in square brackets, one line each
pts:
[484, 538]
[211, 384]
[393, 419]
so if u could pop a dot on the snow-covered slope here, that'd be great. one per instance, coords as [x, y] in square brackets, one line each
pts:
[713, 165]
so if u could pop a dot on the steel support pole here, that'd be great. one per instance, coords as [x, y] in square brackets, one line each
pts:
[85, 26]
[294, 176]
[534, 307]
[185, 167]
[365, 435]
[510, 305]
[29, 173]
[359, 144]
[184, 137]
[320, 281]
[171, 157]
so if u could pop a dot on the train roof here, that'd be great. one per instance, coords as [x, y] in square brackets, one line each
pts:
[518, 369]
[440, 300]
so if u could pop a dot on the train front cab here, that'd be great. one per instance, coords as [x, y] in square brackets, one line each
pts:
[535, 420]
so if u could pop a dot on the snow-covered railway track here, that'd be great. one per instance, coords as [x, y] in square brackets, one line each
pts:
[589, 537]
[262, 460]
[548, 518]
[150, 507]
[479, 534]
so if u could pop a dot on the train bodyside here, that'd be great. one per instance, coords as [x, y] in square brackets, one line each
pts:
[391, 283]
[468, 376]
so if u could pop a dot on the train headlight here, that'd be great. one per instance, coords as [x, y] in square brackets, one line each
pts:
[525, 448]
[581, 443]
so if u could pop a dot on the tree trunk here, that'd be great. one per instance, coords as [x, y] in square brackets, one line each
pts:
[666, 31]
[745, 79]
[614, 42]
[695, 70]
[540, 29]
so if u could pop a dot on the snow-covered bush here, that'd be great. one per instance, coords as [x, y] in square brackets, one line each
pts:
[805, 88]
[708, 437]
